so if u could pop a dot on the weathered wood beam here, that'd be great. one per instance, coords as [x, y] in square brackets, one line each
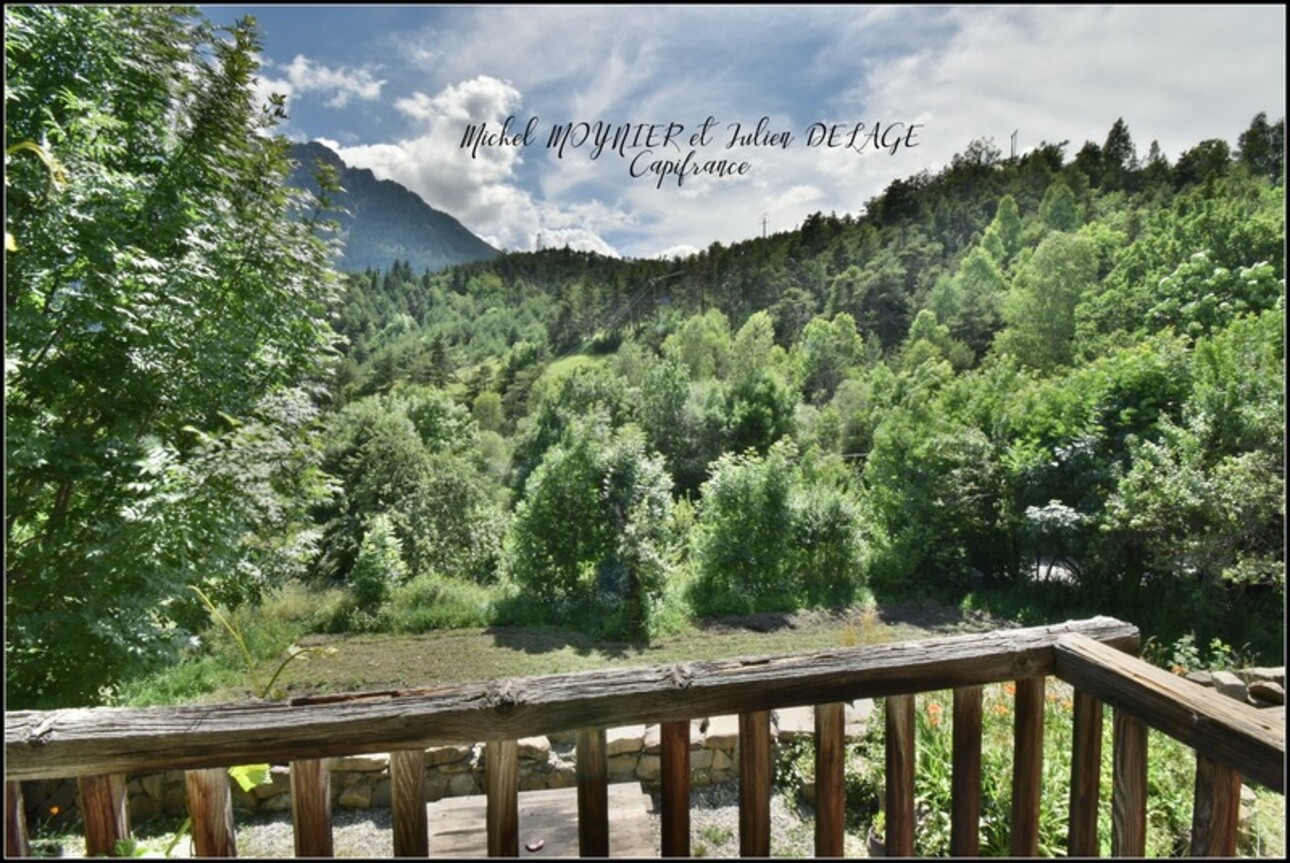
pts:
[311, 807]
[1224, 729]
[501, 779]
[16, 843]
[754, 784]
[1027, 767]
[1216, 813]
[408, 803]
[830, 779]
[592, 768]
[53, 744]
[901, 757]
[1086, 776]
[676, 788]
[210, 806]
[965, 777]
[1128, 786]
[103, 806]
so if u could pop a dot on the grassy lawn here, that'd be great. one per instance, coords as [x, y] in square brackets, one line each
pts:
[381, 661]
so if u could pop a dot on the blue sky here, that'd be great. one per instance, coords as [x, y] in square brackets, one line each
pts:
[394, 89]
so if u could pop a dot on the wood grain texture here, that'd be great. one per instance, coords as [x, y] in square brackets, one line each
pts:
[103, 806]
[1086, 776]
[502, 785]
[16, 843]
[210, 806]
[676, 788]
[830, 779]
[311, 807]
[1128, 786]
[592, 767]
[1216, 813]
[754, 784]
[1226, 730]
[1027, 767]
[901, 758]
[965, 778]
[53, 744]
[408, 803]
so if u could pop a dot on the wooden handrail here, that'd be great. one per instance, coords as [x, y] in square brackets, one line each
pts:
[100, 745]
[105, 740]
[1223, 729]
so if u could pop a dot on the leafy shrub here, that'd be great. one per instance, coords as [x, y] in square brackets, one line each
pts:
[769, 537]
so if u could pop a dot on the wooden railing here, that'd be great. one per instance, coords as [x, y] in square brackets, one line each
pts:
[101, 745]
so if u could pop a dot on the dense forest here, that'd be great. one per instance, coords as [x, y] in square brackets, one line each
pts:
[1054, 378]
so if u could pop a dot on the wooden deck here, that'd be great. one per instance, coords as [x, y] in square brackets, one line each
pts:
[457, 824]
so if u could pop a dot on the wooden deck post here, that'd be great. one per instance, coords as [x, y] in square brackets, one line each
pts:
[15, 822]
[1128, 786]
[311, 807]
[210, 806]
[754, 784]
[676, 788]
[830, 781]
[103, 805]
[900, 776]
[1086, 776]
[1217, 810]
[501, 779]
[592, 768]
[965, 777]
[408, 803]
[1027, 767]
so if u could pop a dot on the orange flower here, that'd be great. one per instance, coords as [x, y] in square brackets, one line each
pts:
[1010, 688]
[1177, 669]
[1001, 709]
[1066, 704]
[1052, 696]
[934, 714]
[54, 810]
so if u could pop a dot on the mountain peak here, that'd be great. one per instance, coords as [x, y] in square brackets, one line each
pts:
[386, 222]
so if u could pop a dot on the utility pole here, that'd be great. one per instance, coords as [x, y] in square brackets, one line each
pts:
[1014, 143]
[763, 226]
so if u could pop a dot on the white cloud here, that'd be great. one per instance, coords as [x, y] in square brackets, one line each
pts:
[305, 76]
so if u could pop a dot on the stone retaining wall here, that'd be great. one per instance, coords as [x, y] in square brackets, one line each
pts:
[363, 781]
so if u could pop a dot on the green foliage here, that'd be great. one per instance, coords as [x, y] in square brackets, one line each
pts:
[1040, 312]
[771, 535]
[379, 565]
[591, 528]
[1059, 210]
[164, 304]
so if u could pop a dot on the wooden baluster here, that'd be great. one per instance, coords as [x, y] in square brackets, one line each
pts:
[900, 776]
[754, 784]
[311, 807]
[1217, 810]
[103, 805]
[676, 788]
[1027, 767]
[592, 767]
[15, 822]
[830, 782]
[1128, 786]
[501, 780]
[965, 778]
[408, 804]
[210, 806]
[1086, 776]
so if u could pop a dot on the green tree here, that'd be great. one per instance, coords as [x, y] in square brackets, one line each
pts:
[1059, 210]
[1262, 147]
[590, 533]
[1040, 312]
[165, 291]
